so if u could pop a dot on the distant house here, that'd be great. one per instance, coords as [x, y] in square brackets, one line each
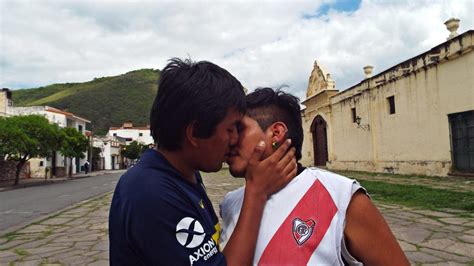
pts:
[131, 133]
[58, 164]
[5, 101]
[111, 158]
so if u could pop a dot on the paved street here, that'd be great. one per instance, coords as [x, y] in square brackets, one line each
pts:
[78, 235]
[23, 205]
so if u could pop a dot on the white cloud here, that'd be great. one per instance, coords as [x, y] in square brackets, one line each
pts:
[262, 43]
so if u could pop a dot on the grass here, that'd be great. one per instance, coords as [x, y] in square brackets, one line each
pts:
[21, 252]
[419, 196]
[361, 174]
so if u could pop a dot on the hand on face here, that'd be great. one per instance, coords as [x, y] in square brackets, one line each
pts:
[250, 134]
[268, 176]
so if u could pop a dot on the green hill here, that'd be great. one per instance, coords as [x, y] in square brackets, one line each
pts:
[106, 102]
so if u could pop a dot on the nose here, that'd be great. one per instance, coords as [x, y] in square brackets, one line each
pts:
[234, 137]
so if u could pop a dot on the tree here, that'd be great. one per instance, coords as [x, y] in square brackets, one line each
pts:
[74, 145]
[25, 137]
[133, 150]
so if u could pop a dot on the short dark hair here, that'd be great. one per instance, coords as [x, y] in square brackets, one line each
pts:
[268, 106]
[192, 91]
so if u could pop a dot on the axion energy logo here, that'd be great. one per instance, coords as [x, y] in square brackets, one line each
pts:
[189, 232]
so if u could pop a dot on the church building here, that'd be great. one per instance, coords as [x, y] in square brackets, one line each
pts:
[417, 117]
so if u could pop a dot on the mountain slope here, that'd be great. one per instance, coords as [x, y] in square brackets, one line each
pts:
[107, 101]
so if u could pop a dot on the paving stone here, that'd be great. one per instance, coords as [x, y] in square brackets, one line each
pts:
[446, 256]
[469, 232]
[104, 255]
[421, 257]
[33, 244]
[407, 246]
[439, 244]
[434, 213]
[101, 226]
[444, 263]
[91, 253]
[101, 246]
[41, 250]
[471, 224]
[462, 248]
[454, 228]
[28, 237]
[429, 221]
[457, 221]
[466, 238]
[78, 260]
[33, 229]
[78, 221]
[409, 215]
[440, 235]
[7, 253]
[411, 234]
[85, 244]
[32, 262]
[61, 229]
[68, 254]
[8, 260]
[12, 244]
[100, 263]
[56, 221]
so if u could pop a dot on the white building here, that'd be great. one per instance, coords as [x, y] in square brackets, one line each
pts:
[110, 151]
[131, 133]
[5, 101]
[58, 164]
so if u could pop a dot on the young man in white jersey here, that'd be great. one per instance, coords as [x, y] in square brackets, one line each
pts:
[320, 218]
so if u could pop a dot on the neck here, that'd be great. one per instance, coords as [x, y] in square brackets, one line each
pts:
[178, 160]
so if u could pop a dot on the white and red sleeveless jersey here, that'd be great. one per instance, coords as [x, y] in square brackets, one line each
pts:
[303, 224]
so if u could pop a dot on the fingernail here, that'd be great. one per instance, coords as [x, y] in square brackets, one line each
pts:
[289, 141]
[261, 143]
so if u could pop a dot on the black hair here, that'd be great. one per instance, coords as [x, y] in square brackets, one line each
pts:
[268, 106]
[188, 92]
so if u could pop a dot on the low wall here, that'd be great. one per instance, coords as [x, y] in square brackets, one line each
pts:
[428, 168]
[8, 170]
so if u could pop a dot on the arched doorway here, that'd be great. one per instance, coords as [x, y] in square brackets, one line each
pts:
[320, 141]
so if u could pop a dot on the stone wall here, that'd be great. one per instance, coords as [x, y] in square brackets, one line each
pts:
[8, 169]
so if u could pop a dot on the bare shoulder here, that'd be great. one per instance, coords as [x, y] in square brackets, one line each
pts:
[368, 236]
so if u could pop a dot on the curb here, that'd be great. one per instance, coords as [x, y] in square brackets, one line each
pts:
[49, 215]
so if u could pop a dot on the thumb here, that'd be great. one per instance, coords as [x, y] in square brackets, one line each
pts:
[257, 153]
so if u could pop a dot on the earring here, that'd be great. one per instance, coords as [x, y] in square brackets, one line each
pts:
[275, 145]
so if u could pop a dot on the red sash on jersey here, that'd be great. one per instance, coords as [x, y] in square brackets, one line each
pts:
[283, 248]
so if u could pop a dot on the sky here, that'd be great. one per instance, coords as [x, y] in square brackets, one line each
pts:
[262, 43]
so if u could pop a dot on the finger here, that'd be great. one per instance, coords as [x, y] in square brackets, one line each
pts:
[289, 167]
[282, 182]
[292, 174]
[280, 152]
[287, 158]
[257, 153]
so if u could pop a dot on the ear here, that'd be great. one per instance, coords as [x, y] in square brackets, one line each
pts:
[278, 131]
[189, 134]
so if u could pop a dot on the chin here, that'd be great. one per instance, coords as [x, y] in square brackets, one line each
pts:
[235, 172]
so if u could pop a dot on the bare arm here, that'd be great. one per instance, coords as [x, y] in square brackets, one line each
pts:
[263, 178]
[368, 236]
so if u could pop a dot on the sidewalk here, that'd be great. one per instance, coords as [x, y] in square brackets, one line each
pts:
[31, 182]
[78, 234]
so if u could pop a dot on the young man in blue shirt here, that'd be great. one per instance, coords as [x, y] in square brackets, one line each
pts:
[160, 212]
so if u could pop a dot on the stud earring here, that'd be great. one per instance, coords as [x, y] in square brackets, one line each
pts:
[275, 145]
